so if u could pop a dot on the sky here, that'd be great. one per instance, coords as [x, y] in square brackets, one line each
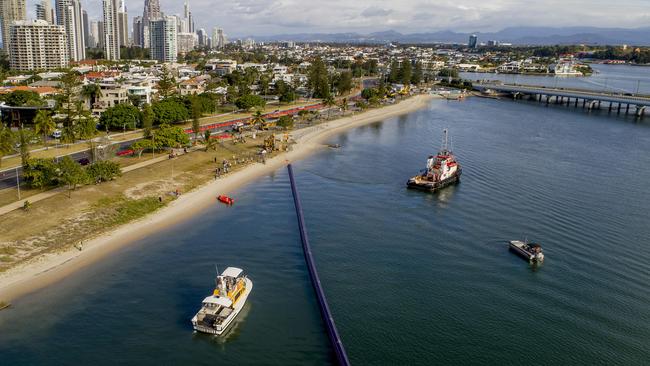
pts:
[268, 17]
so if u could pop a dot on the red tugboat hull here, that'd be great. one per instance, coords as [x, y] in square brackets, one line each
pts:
[225, 199]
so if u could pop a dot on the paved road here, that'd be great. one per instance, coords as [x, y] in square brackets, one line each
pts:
[569, 93]
[8, 178]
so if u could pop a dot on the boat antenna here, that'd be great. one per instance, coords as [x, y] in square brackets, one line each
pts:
[444, 140]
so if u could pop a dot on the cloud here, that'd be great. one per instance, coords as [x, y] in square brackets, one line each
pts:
[263, 17]
[375, 12]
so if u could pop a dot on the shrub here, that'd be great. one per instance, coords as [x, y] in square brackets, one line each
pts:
[103, 171]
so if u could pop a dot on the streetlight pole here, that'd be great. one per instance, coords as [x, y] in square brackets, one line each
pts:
[638, 86]
[18, 183]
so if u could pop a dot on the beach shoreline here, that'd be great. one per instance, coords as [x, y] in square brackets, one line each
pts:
[50, 268]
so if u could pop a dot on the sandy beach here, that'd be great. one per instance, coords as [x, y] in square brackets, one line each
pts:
[51, 268]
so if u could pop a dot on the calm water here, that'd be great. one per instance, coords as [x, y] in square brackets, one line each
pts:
[412, 278]
[606, 78]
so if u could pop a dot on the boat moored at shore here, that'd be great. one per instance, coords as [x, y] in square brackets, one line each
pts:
[222, 307]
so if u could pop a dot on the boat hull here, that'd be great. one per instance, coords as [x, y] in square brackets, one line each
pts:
[226, 324]
[433, 186]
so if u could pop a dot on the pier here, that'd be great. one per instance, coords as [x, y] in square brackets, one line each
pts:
[328, 319]
[586, 99]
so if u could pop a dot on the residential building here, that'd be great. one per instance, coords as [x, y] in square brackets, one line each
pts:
[192, 86]
[44, 11]
[202, 37]
[187, 42]
[123, 25]
[163, 39]
[473, 41]
[95, 38]
[69, 14]
[151, 12]
[86, 25]
[218, 38]
[111, 30]
[37, 45]
[137, 31]
[221, 67]
[10, 11]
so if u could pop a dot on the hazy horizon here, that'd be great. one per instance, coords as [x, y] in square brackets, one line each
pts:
[268, 17]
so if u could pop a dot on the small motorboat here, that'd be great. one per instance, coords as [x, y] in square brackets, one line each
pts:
[529, 251]
[225, 199]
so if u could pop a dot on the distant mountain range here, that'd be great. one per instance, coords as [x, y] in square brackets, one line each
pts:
[514, 35]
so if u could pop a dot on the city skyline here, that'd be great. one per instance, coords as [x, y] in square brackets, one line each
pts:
[291, 16]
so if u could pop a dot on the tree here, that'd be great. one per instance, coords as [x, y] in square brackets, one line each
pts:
[166, 84]
[86, 126]
[147, 120]
[368, 93]
[448, 73]
[6, 141]
[40, 173]
[286, 122]
[406, 72]
[170, 136]
[21, 98]
[120, 116]
[71, 174]
[318, 79]
[344, 83]
[417, 76]
[44, 124]
[69, 90]
[249, 101]
[209, 142]
[258, 118]
[24, 146]
[265, 81]
[393, 75]
[143, 144]
[344, 104]
[103, 171]
[196, 119]
[92, 92]
[170, 111]
[329, 102]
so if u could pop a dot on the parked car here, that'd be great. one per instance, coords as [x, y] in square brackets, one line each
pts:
[84, 161]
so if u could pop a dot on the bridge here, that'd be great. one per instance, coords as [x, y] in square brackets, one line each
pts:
[589, 99]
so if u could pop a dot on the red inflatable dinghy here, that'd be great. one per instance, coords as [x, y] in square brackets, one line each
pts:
[225, 199]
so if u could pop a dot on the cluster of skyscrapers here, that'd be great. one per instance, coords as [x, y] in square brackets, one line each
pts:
[61, 34]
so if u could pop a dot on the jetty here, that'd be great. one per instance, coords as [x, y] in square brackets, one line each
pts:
[627, 103]
[328, 319]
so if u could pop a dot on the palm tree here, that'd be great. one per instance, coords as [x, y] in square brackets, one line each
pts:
[329, 102]
[44, 124]
[344, 105]
[92, 92]
[258, 118]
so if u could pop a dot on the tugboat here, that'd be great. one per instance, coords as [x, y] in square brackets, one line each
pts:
[442, 170]
[531, 252]
[222, 307]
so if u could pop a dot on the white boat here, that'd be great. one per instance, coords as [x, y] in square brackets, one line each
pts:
[530, 251]
[220, 309]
